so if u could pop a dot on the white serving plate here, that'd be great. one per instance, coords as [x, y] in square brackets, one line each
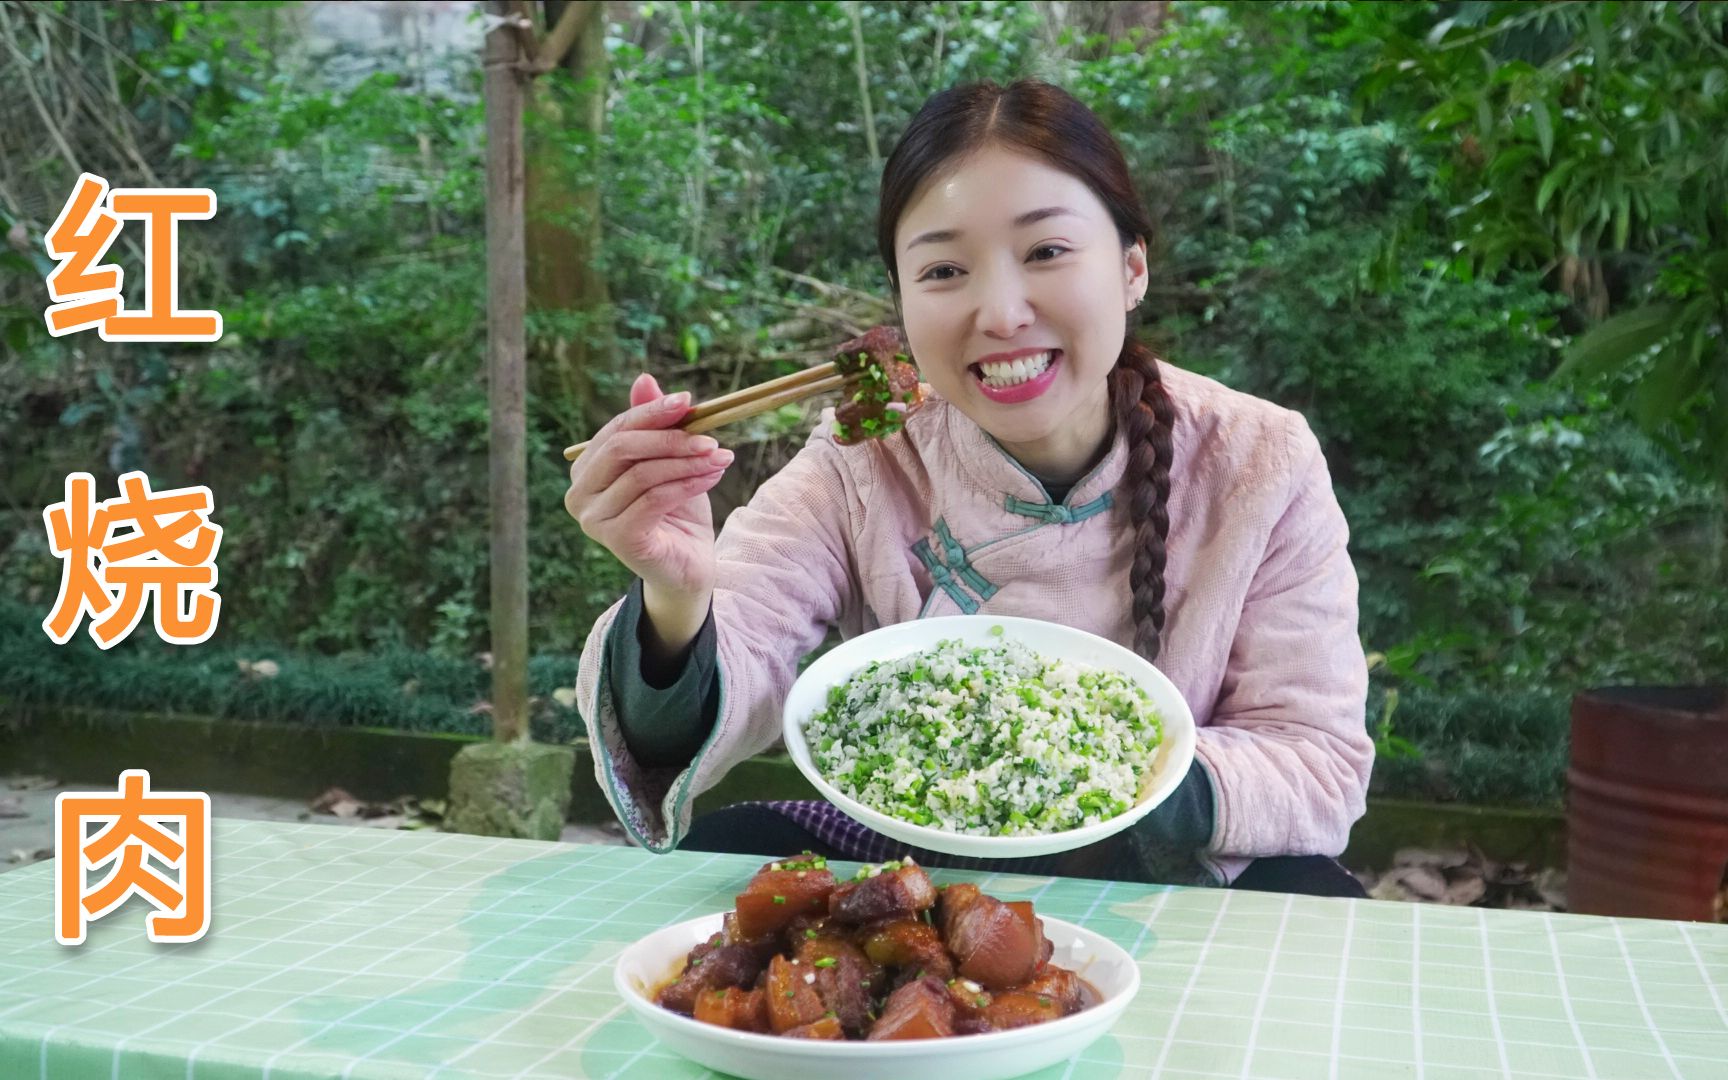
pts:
[809, 694]
[647, 965]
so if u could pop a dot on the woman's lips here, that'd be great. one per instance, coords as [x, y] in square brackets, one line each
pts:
[1023, 391]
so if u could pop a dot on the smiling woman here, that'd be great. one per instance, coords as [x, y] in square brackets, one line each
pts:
[1017, 315]
[1058, 471]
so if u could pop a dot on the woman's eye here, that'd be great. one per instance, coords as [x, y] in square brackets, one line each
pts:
[948, 273]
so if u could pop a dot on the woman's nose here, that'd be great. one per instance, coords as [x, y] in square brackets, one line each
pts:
[1005, 310]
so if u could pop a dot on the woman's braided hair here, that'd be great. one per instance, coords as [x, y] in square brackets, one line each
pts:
[1145, 414]
[1047, 122]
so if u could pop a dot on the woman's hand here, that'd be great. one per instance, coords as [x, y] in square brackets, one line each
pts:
[640, 490]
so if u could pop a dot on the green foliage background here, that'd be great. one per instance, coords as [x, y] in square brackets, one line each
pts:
[1395, 218]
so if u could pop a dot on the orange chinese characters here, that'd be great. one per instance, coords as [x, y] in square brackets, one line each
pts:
[108, 576]
[131, 837]
[87, 292]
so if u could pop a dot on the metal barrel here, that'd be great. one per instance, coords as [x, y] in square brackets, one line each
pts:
[1647, 802]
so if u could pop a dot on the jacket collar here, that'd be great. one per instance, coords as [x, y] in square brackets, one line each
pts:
[995, 473]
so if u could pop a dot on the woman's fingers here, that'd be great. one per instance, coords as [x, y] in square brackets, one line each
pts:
[659, 414]
[640, 519]
[644, 390]
[641, 477]
[626, 448]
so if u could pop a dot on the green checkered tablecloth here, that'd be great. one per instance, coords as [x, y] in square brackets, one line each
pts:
[367, 953]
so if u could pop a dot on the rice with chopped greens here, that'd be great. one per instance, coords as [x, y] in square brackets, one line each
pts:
[987, 741]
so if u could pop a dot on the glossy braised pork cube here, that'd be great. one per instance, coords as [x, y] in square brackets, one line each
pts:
[775, 897]
[846, 979]
[970, 1000]
[1046, 948]
[713, 965]
[878, 346]
[1017, 1009]
[793, 1000]
[740, 1010]
[999, 945]
[1060, 986]
[920, 1009]
[897, 891]
[911, 944]
[825, 1028]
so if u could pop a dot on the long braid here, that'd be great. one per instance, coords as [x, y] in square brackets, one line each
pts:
[1146, 415]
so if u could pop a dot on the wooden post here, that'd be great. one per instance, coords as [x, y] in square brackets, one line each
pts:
[506, 301]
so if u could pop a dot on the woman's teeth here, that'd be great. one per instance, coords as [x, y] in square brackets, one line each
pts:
[997, 376]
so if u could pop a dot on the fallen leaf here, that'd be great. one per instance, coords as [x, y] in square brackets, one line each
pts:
[1423, 882]
[1467, 878]
[1465, 891]
[338, 802]
[1439, 860]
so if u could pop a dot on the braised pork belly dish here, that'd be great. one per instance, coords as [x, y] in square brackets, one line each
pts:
[886, 955]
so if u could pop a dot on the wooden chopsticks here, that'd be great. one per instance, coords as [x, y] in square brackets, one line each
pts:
[751, 401]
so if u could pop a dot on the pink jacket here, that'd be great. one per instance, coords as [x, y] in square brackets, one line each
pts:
[1260, 601]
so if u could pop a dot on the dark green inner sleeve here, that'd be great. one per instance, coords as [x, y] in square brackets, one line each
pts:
[1166, 842]
[664, 722]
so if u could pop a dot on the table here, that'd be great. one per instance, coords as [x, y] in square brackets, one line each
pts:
[368, 953]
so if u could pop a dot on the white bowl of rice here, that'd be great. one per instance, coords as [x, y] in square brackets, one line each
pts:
[989, 736]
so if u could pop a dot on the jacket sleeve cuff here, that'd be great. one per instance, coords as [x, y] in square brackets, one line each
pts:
[1170, 842]
[662, 726]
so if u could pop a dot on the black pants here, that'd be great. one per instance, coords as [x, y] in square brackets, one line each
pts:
[757, 830]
